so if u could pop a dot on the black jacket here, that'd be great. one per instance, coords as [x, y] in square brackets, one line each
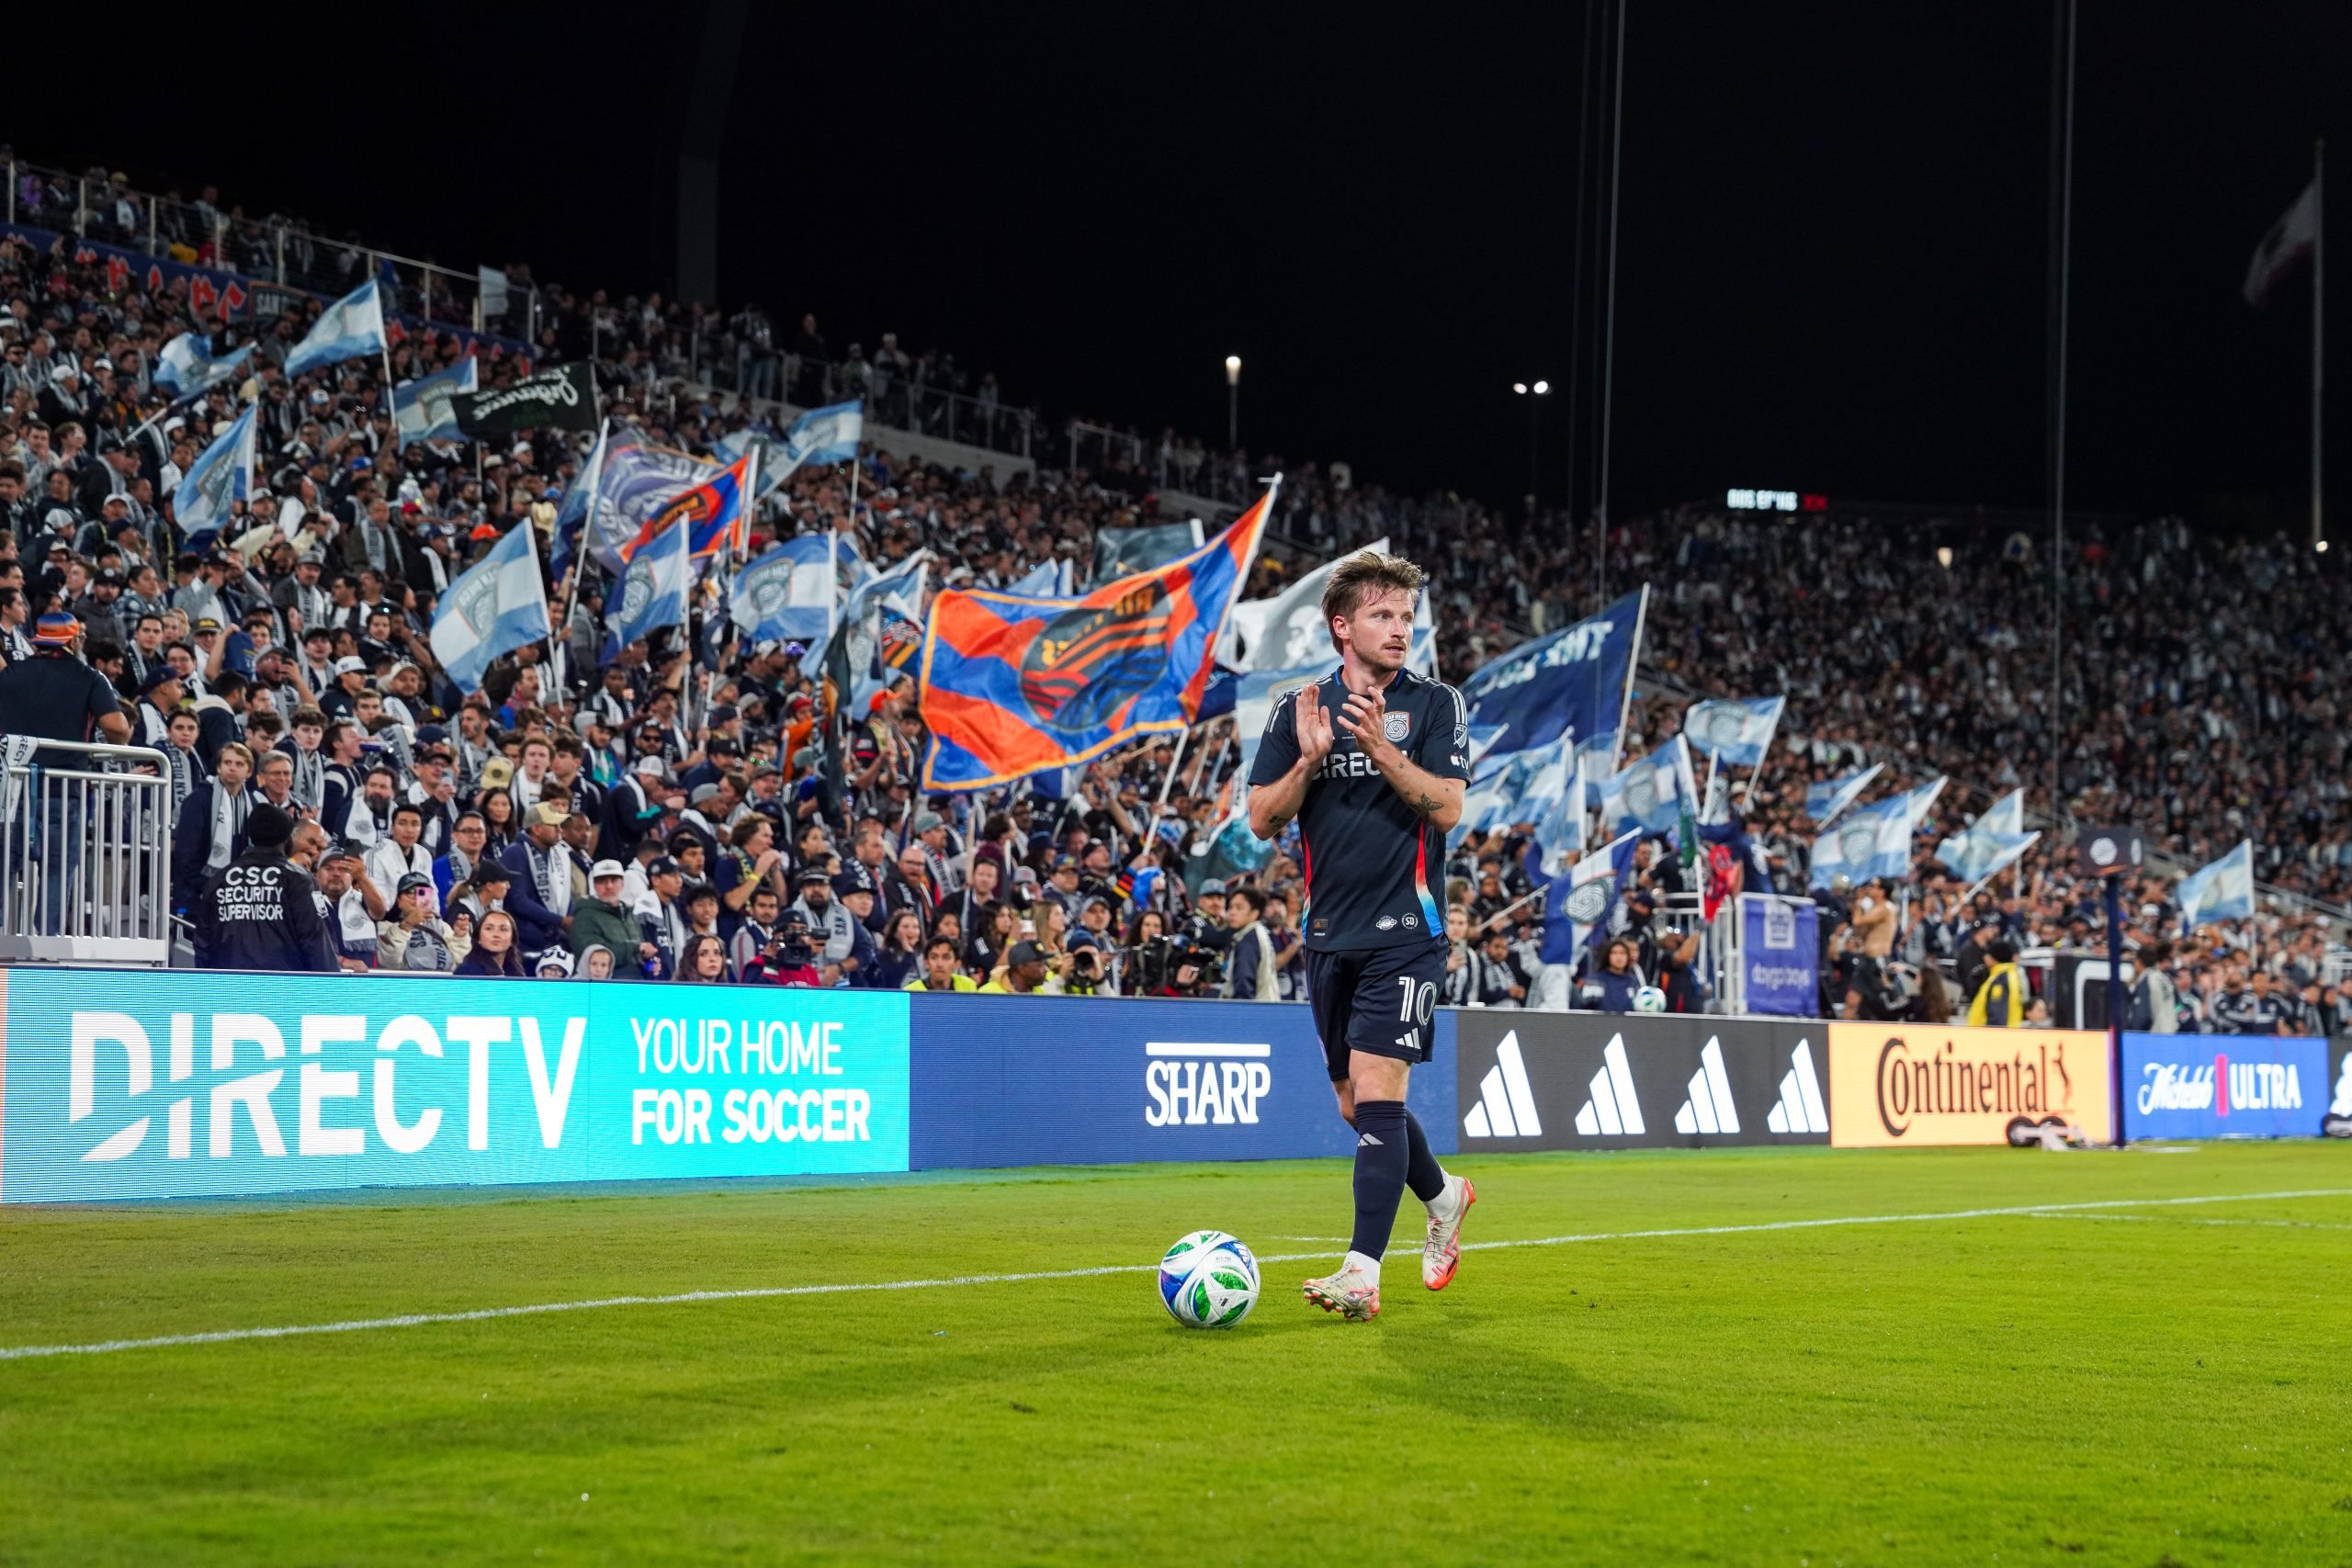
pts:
[262, 911]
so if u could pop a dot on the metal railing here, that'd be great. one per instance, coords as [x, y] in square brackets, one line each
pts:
[768, 379]
[272, 249]
[84, 853]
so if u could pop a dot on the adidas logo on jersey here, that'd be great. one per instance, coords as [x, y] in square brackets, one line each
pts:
[1506, 1107]
[1614, 1110]
[1800, 1108]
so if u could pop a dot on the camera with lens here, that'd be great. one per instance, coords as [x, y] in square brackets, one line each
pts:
[1158, 965]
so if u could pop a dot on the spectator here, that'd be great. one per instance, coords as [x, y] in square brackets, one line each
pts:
[1249, 970]
[939, 972]
[214, 823]
[1024, 974]
[1611, 987]
[494, 953]
[415, 939]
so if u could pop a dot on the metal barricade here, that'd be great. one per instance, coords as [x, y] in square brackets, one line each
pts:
[85, 854]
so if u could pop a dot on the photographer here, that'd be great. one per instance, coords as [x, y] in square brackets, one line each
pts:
[1085, 971]
[1025, 974]
[789, 959]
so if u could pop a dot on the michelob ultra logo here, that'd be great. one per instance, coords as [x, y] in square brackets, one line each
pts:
[1893, 1086]
[174, 1084]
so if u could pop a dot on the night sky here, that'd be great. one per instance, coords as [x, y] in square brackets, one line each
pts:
[1832, 271]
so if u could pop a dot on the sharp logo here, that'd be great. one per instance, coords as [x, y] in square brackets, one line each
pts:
[1614, 1110]
[317, 1089]
[1708, 1110]
[1506, 1107]
[1194, 1083]
[1801, 1109]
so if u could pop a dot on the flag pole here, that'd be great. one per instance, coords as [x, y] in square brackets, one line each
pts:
[2319, 231]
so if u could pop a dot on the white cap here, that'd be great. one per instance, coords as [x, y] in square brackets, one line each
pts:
[605, 868]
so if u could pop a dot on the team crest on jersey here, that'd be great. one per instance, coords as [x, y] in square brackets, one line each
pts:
[1398, 725]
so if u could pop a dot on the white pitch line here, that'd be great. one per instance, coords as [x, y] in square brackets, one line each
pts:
[685, 1298]
[2193, 1219]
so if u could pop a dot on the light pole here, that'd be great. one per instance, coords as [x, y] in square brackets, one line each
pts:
[1534, 409]
[1233, 402]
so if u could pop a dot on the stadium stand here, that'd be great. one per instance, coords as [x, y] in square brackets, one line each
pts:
[2205, 679]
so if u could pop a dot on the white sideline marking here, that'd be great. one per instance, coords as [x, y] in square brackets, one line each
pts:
[762, 1292]
[2192, 1220]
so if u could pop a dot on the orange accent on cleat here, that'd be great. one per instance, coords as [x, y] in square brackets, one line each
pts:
[1441, 1253]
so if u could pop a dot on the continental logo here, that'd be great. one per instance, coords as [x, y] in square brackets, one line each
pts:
[1961, 1085]
[1946, 1083]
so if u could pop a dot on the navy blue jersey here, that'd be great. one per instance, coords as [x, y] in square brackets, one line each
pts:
[1370, 859]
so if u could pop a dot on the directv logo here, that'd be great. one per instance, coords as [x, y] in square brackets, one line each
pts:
[1506, 1107]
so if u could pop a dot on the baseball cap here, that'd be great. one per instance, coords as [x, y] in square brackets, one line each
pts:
[1083, 938]
[605, 868]
[490, 871]
[665, 866]
[213, 624]
[651, 767]
[498, 772]
[850, 882]
[412, 881]
[349, 665]
[701, 793]
[812, 871]
[926, 821]
[549, 814]
[161, 675]
[1023, 953]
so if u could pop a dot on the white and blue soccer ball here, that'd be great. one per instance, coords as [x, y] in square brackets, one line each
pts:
[1208, 1279]
[1649, 998]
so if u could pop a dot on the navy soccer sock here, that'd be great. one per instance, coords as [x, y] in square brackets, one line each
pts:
[1383, 1154]
[1422, 1173]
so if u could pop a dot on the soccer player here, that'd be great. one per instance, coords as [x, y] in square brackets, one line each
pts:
[1372, 761]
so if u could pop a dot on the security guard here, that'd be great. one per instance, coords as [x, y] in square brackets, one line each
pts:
[2001, 1000]
[261, 910]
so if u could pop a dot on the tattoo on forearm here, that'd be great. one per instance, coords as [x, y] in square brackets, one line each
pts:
[1425, 803]
[1280, 820]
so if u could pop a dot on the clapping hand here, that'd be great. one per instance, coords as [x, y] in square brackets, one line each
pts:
[1314, 737]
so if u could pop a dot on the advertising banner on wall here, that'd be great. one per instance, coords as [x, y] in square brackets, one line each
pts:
[170, 1084]
[2337, 1121]
[1554, 1080]
[1780, 946]
[1895, 1086]
[1054, 1081]
[2223, 1086]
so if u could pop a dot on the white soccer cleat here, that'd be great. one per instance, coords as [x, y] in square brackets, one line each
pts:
[1441, 1252]
[1351, 1292]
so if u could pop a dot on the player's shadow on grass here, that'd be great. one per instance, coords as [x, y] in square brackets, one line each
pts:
[1457, 1366]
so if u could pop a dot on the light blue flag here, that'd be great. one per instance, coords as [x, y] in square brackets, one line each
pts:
[1647, 795]
[820, 435]
[2005, 814]
[186, 367]
[770, 468]
[499, 603]
[352, 326]
[2221, 891]
[1573, 680]
[1825, 801]
[898, 592]
[420, 407]
[573, 515]
[1874, 841]
[1979, 854]
[874, 607]
[787, 594]
[651, 592]
[222, 474]
[1733, 730]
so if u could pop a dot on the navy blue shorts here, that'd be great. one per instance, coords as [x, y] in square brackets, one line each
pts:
[1379, 1000]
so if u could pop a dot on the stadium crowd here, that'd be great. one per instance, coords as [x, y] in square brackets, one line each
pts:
[629, 820]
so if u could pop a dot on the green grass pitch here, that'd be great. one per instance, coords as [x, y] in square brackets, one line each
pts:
[2141, 1382]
